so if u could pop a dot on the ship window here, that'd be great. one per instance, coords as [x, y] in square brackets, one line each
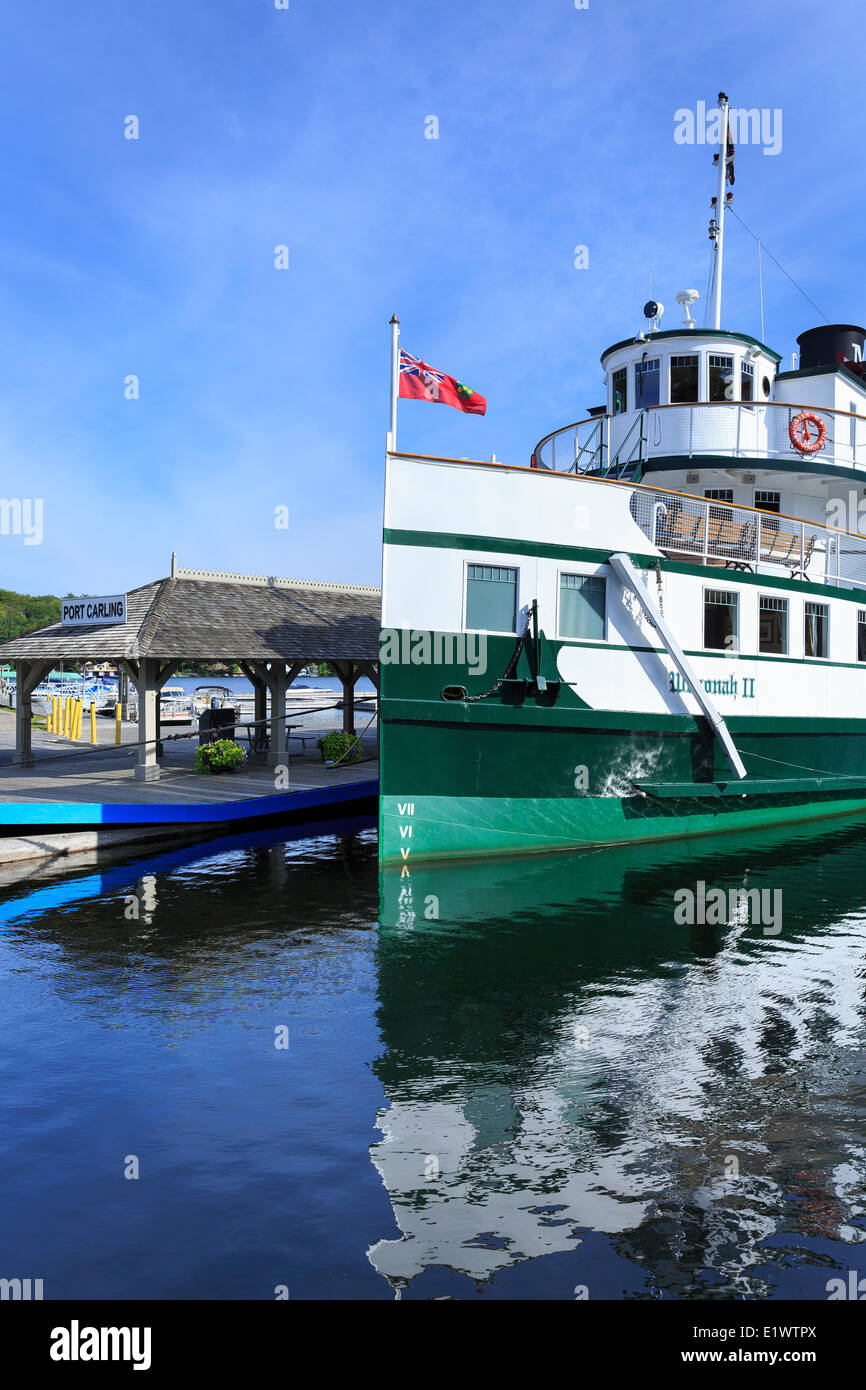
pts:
[765, 386]
[861, 634]
[747, 381]
[491, 598]
[619, 404]
[646, 382]
[720, 620]
[581, 606]
[719, 494]
[817, 621]
[852, 427]
[721, 377]
[767, 501]
[684, 378]
[772, 624]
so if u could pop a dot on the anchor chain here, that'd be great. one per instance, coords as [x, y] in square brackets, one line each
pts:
[506, 674]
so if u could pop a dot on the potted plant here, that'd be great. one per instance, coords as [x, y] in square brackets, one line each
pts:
[223, 755]
[339, 748]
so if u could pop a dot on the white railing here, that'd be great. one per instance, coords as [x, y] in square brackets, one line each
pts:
[732, 429]
[710, 532]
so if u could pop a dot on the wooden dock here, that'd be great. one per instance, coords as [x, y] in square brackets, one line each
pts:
[78, 797]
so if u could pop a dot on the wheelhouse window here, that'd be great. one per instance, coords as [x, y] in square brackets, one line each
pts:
[647, 375]
[721, 377]
[816, 628]
[719, 494]
[772, 624]
[491, 598]
[720, 620]
[747, 381]
[684, 378]
[582, 599]
[619, 388]
[861, 634]
[767, 501]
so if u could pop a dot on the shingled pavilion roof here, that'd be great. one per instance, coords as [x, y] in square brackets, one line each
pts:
[200, 615]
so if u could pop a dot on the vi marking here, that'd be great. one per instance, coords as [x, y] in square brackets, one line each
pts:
[405, 810]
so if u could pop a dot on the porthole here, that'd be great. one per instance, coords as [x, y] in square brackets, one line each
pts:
[765, 386]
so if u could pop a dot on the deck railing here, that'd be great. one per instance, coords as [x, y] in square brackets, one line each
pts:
[743, 538]
[732, 429]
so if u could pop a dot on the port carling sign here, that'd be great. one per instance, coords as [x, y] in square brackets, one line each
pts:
[93, 611]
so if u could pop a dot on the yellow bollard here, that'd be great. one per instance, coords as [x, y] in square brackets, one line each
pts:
[50, 720]
[78, 712]
[117, 725]
[55, 706]
[92, 722]
[67, 714]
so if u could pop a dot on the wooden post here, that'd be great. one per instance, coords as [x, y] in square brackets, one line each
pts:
[348, 673]
[260, 697]
[147, 767]
[278, 678]
[28, 674]
[278, 753]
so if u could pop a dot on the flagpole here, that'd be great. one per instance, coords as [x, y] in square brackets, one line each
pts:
[395, 380]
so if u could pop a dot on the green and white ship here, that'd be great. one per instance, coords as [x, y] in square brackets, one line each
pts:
[654, 628]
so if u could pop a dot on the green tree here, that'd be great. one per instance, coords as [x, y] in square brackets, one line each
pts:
[20, 613]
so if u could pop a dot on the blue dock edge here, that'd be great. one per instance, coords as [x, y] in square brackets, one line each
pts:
[69, 815]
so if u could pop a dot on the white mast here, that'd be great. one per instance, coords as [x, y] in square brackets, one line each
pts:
[720, 212]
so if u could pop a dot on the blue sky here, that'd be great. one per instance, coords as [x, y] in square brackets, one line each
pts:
[262, 388]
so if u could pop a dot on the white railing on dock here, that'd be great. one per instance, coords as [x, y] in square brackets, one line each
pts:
[711, 532]
[610, 444]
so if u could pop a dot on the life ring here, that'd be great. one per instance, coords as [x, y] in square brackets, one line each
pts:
[798, 432]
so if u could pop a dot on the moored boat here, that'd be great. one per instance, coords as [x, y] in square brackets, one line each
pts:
[655, 626]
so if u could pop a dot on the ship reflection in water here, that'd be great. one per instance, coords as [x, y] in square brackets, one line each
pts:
[664, 1110]
[576, 1096]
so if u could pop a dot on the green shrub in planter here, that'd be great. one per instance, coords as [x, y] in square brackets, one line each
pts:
[340, 748]
[223, 755]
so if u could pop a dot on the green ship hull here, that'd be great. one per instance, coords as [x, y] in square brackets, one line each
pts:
[528, 769]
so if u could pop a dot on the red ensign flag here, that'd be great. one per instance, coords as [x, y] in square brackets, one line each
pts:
[418, 382]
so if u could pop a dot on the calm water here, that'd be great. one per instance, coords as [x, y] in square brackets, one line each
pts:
[550, 1084]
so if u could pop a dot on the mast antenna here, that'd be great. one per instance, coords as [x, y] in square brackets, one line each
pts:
[724, 158]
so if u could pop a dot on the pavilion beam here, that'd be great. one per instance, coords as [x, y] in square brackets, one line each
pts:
[370, 669]
[28, 674]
